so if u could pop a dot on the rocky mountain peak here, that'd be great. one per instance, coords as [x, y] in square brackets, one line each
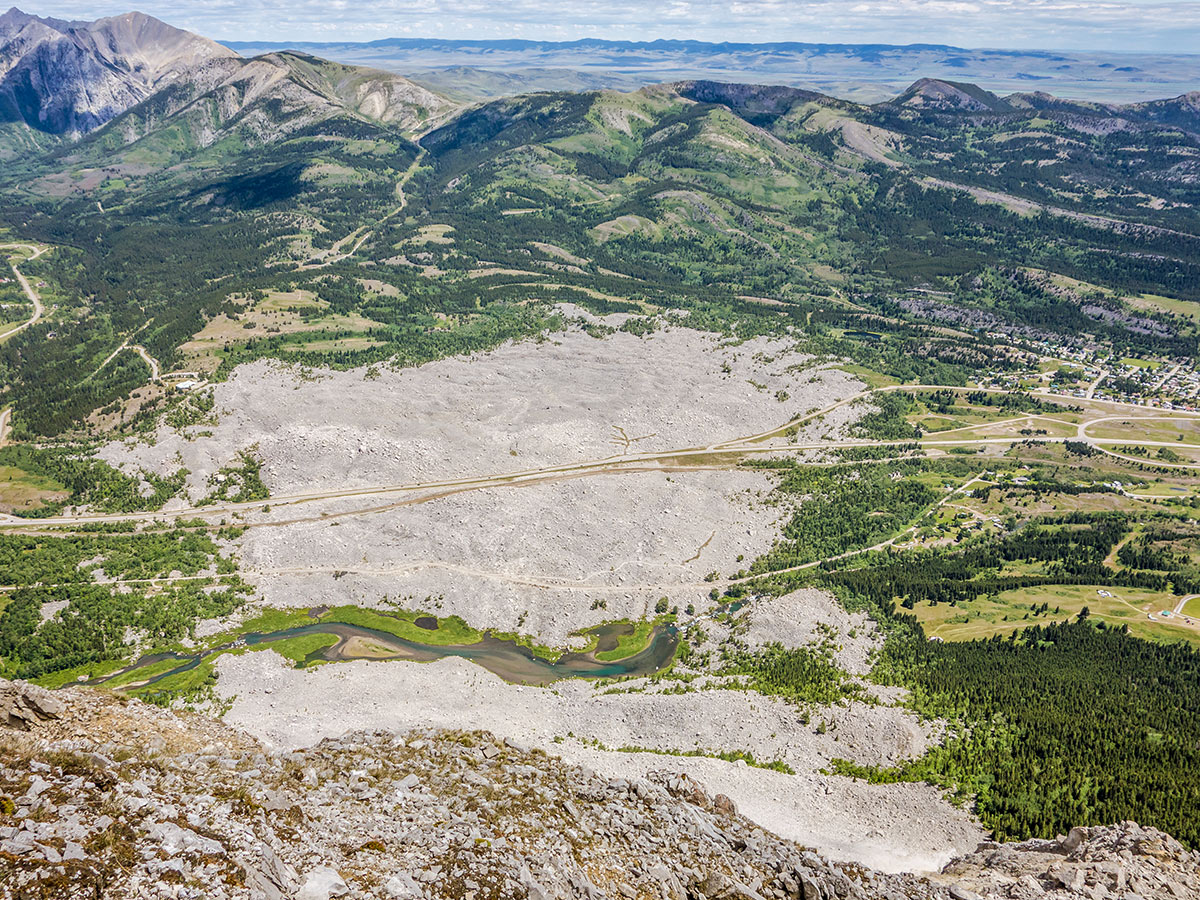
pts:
[72, 77]
[139, 39]
[16, 20]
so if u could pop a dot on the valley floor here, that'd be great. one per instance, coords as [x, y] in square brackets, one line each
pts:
[545, 488]
[555, 555]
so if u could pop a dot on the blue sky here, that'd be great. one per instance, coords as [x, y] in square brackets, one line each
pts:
[1144, 25]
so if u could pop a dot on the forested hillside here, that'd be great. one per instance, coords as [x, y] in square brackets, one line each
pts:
[694, 196]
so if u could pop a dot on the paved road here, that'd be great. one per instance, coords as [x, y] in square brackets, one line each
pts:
[544, 582]
[26, 287]
[421, 492]
[150, 360]
[1171, 373]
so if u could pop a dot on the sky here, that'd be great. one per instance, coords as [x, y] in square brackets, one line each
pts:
[1136, 25]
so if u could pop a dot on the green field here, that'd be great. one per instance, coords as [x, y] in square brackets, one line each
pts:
[984, 617]
[401, 623]
[299, 648]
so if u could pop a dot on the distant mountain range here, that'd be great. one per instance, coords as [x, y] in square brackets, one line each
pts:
[862, 72]
[63, 79]
[133, 92]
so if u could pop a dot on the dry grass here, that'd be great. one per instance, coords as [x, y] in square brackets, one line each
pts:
[19, 490]
[281, 312]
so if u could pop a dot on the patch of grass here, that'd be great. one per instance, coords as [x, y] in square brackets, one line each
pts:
[402, 623]
[88, 670]
[775, 765]
[870, 376]
[1169, 305]
[300, 647]
[142, 673]
[269, 620]
[630, 644]
[1009, 611]
[185, 683]
[21, 490]
[544, 651]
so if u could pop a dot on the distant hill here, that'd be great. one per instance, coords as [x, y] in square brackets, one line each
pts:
[471, 83]
[862, 72]
[933, 95]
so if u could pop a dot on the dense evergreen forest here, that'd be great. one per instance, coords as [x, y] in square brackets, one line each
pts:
[97, 618]
[1059, 718]
[1061, 724]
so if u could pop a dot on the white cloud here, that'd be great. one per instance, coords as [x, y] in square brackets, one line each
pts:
[1147, 25]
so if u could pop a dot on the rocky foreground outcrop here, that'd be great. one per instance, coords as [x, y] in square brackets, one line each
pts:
[1117, 861]
[108, 798]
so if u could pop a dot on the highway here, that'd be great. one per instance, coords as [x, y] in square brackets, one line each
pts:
[684, 457]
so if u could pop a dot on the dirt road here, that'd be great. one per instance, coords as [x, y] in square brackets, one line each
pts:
[150, 360]
[336, 254]
[136, 348]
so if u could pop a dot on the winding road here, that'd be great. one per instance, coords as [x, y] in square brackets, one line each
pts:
[150, 361]
[336, 256]
[136, 348]
[38, 311]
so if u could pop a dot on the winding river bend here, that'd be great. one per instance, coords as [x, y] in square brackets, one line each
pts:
[511, 661]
